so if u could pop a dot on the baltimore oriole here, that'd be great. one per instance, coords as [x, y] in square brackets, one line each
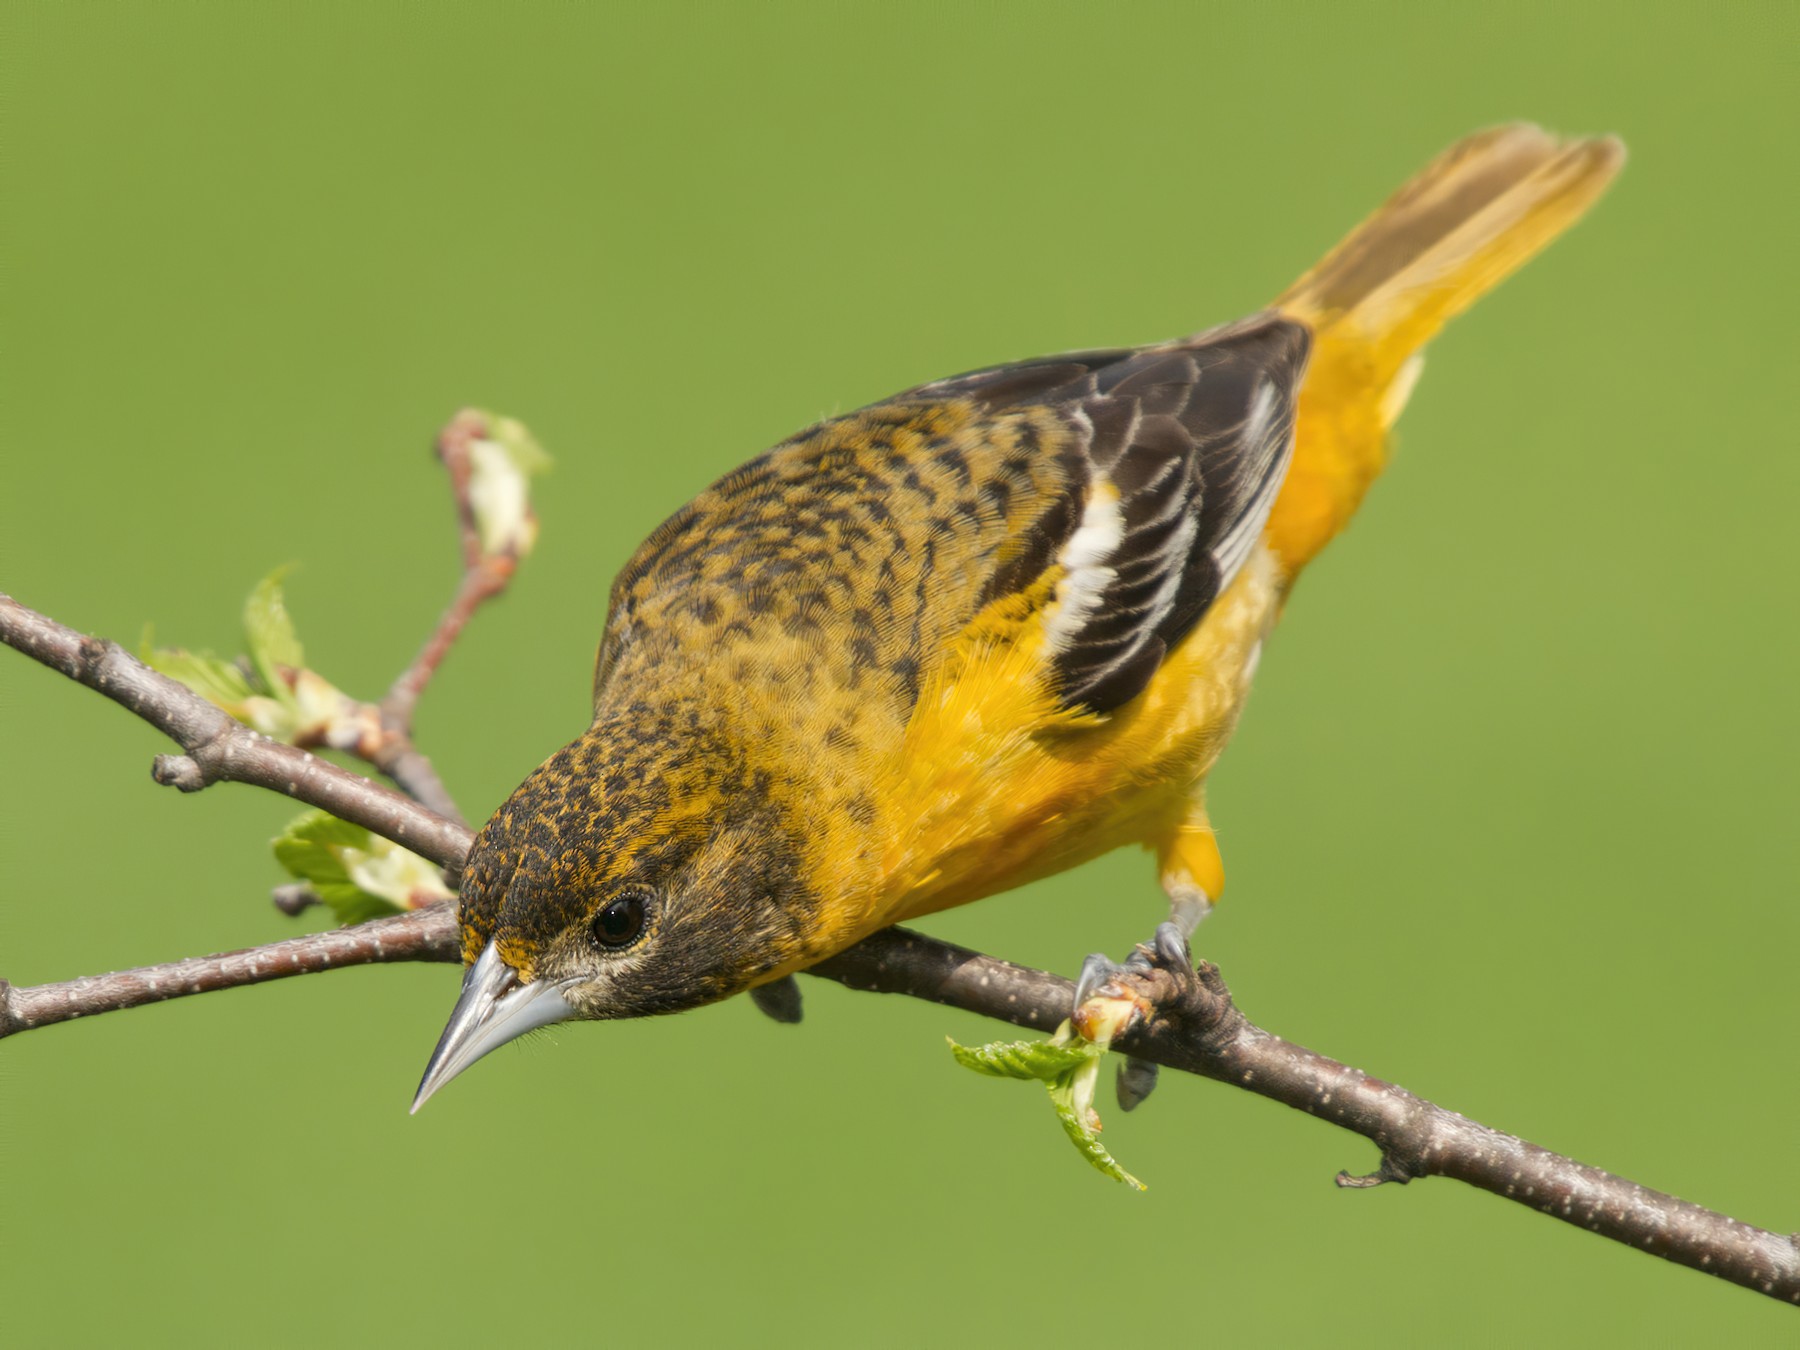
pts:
[969, 636]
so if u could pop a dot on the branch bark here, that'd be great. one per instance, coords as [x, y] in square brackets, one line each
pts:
[1193, 1024]
[424, 935]
[219, 748]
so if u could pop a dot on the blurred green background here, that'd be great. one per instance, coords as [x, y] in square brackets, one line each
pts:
[1510, 819]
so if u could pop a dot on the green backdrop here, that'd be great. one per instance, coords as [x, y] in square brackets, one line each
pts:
[1510, 819]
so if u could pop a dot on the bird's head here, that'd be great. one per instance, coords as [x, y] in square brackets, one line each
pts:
[638, 871]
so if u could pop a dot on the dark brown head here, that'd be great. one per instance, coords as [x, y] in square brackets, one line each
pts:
[637, 871]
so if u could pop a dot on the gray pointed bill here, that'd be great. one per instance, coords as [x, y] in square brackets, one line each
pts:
[494, 1008]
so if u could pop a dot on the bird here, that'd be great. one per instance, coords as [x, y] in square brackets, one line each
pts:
[971, 635]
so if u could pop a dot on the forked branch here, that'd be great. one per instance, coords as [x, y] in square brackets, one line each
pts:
[216, 747]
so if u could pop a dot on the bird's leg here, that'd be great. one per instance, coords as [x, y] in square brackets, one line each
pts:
[1193, 875]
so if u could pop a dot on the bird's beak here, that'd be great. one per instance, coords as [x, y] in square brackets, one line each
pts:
[494, 1008]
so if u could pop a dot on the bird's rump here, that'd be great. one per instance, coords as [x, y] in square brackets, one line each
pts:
[1116, 491]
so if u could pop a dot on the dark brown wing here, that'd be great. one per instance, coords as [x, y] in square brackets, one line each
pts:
[1194, 437]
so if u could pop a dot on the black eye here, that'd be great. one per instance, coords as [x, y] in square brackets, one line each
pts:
[620, 921]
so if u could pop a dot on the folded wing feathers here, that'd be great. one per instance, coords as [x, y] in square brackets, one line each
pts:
[1187, 448]
[1181, 451]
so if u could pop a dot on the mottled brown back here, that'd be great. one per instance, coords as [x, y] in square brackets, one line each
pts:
[854, 553]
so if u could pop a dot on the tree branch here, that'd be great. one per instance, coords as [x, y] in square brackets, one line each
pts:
[1191, 1024]
[422, 935]
[413, 773]
[219, 748]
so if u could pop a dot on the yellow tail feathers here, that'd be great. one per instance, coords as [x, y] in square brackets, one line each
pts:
[1474, 215]
[1476, 212]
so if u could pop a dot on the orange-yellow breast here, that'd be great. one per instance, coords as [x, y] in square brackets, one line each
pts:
[997, 787]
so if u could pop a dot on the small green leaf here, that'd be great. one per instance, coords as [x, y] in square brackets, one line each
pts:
[1037, 1060]
[1068, 1066]
[1089, 1145]
[358, 874]
[351, 905]
[300, 705]
[269, 632]
[521, 447]
[310, 847]
[215, 680]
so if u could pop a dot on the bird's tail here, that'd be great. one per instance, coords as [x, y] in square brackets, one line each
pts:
[1476, 212]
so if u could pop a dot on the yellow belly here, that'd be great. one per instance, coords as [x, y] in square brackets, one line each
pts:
[997, 788]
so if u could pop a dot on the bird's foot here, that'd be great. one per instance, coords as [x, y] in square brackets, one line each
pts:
[779, 999]
[1109, 1000]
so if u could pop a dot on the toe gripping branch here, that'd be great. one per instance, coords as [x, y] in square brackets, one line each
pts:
[1163, 1008]
[1158, 1007]
[1180, 1013]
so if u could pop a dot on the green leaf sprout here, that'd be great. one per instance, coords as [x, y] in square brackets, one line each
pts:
[358, 874]
[270, 689]
[1069, 1067]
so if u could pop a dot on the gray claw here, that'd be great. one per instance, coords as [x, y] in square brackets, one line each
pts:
[1168, 950]
[1095, 971]
[779, 999]
[1136, 1081]
[1172, 946]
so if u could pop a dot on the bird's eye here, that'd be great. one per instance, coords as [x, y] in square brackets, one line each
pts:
[621, 920]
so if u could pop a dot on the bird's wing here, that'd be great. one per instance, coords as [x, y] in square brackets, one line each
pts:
[1177, 453]
[1119, 491]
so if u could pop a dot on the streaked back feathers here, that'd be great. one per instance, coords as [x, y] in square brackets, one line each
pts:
[857, 551]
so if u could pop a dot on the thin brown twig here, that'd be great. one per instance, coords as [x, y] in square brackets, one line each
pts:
[487, 579]
[357, 729]
[485, 575]
[1192, 1024]
[395, 755]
